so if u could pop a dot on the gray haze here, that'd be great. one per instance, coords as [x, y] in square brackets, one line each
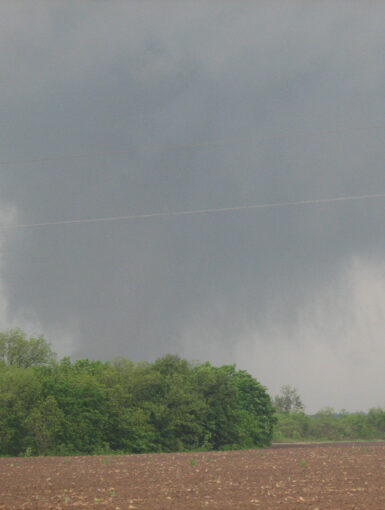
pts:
[294, 295]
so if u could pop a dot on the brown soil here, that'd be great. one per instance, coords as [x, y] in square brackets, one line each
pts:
[342, 477]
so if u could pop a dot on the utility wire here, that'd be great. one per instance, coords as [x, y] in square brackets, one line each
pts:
[208, 143]
[191, 212]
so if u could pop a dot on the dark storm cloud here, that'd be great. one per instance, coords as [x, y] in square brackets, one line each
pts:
[137, 85]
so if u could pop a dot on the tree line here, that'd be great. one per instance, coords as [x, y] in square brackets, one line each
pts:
[64, 407]
[326, 425]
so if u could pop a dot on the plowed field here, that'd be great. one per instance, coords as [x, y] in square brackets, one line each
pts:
[338, 477]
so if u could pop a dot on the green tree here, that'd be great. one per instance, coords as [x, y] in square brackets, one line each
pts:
[18, 350]
[258, 411]
[166, 393]
[20, 390]
[44, 425]
[221, 417]
[376, 419]
[82, 397]
[293, 427]
[288, 401]
[87, 407]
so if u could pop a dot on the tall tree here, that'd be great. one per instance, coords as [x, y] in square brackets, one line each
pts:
[288, 401]
[257, 409]
[18, 350]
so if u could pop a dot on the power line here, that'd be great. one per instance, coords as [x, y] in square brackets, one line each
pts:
[207, 143]
[191, 212]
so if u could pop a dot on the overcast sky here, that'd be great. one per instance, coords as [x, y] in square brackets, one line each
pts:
[293, 94]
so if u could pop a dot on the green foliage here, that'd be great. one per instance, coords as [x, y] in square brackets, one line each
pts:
[327, 425]
[288, 401]
[20, 391]
[291, 427]
[376, 419]
[258, 414]
[45, 423]
[91, 407]
[220, 414]
[18, 351]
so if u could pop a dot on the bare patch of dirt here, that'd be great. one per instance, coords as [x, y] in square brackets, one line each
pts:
[342, 477]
